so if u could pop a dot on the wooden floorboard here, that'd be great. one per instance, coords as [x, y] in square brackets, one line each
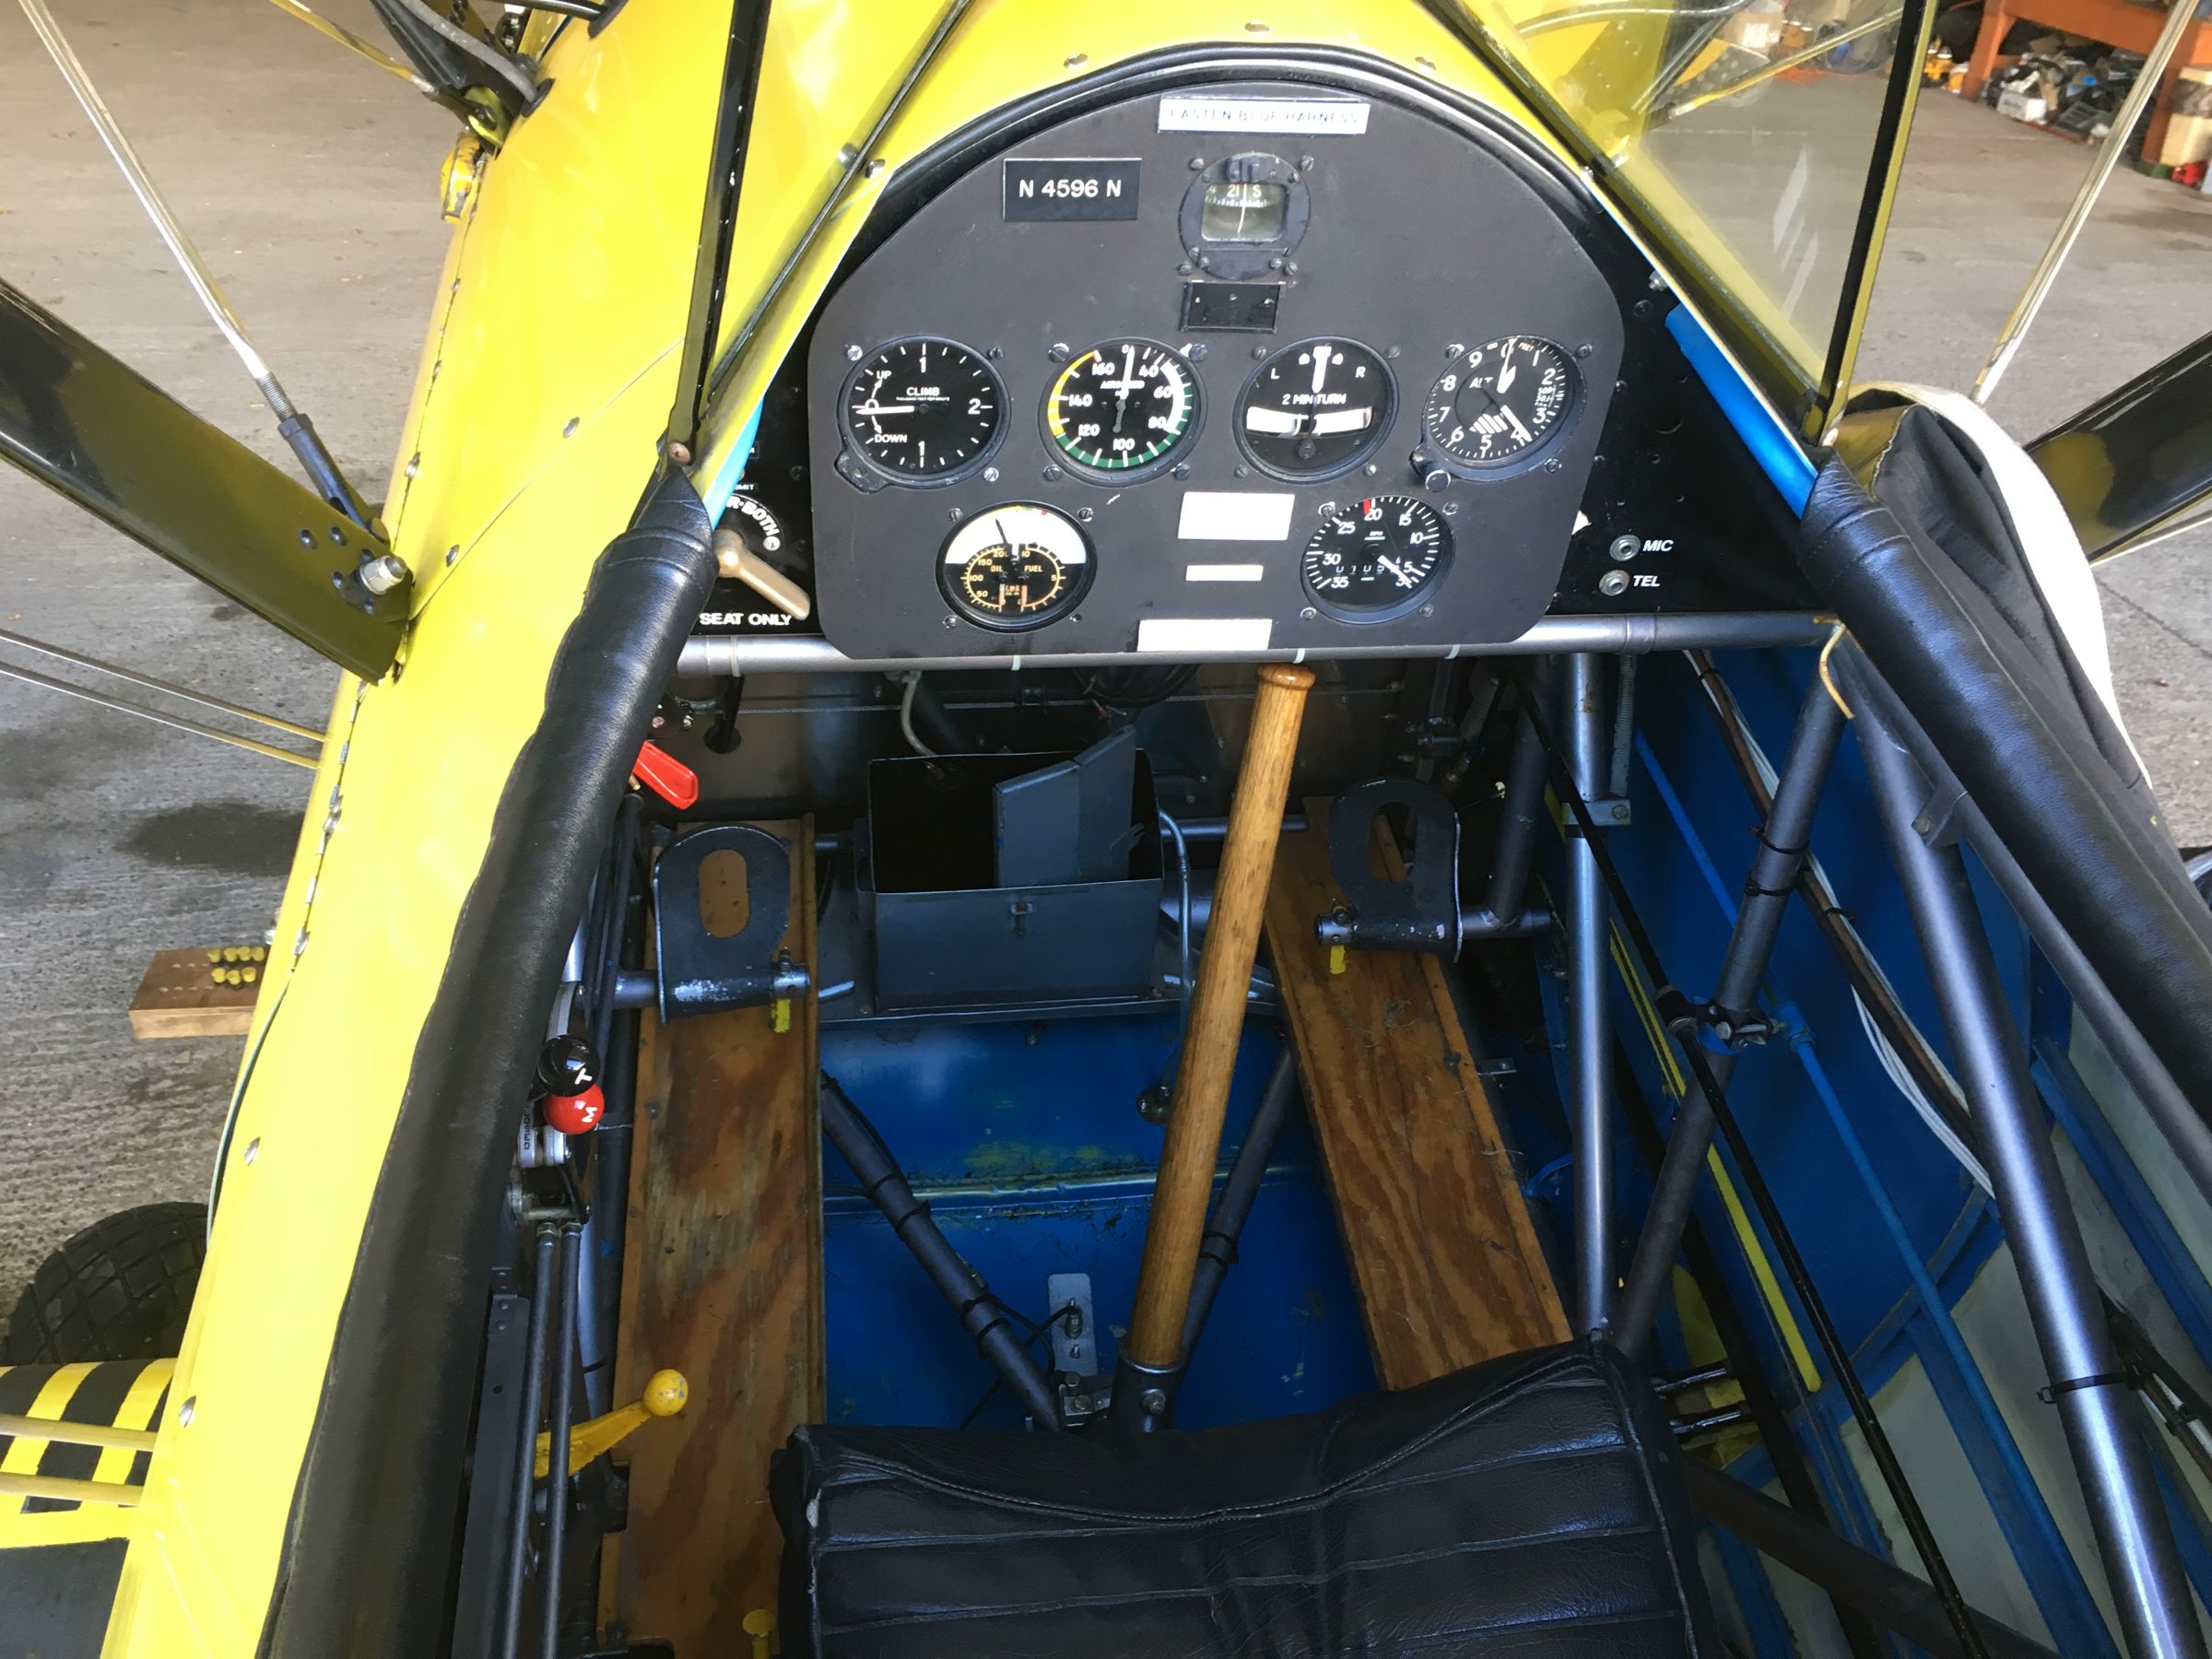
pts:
[1442, 1248]
[724, 1282]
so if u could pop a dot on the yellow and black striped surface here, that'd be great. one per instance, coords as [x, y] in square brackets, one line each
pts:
[122, 1394]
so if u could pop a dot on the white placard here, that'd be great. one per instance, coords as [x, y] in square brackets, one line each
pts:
[1201, 636]
[1340, 115]
[1224, 572]
[1235, 515]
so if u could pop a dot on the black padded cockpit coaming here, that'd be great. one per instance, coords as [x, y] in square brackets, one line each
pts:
[1529, 1506]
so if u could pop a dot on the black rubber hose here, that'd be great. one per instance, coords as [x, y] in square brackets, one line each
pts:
[2097, 851]
[886, 1186]
[1517, 828]
[1218, 1245]
[391, 1430]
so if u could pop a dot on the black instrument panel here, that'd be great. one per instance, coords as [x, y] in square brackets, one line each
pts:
[1254, 366]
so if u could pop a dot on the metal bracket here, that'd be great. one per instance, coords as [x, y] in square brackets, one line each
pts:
[1073, 1326]
[700, 974]
[82, 423]
[1420, 913]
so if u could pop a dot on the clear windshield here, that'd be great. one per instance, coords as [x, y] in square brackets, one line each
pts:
[1747, 129]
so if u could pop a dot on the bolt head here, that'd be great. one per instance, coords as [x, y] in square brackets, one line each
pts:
[1154, 1401]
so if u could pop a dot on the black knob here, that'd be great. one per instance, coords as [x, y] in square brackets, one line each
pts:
[567, 1065]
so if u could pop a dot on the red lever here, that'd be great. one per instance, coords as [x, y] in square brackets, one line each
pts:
[667, 776]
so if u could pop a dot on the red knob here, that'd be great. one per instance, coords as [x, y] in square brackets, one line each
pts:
[576, 1113]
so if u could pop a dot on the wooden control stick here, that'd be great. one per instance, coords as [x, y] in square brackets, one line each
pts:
[1210, 1047]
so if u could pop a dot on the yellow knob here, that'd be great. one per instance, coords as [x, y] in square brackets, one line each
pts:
[666, 1392]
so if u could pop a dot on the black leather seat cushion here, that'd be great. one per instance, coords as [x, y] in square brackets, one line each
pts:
[1529, 1506]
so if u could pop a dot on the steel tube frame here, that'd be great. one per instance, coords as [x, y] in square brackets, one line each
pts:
[1590, 972]
[2087, 1383]
[1218, 1245]
[563, 1361]
[1755, 1188]
[1775, 867]
[544, 1289]
[708, 655]
[1902, 1602]
[980, 1314]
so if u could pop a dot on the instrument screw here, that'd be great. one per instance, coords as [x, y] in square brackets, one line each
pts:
[1428, 610]
[1180, 470]
[1306, 613]
[1195, 352]
[1305, 164]
[1582, 350]
[1057, 352]
[1276, 264]
[1075, 60]
[1553, 465]
[1185, 268]
[854, 354]
[1052, 472]
[1085, 514]
[953, 513]
[1625, 548]
[995, 352]
[949, 623]
[1258, 352]
[990, 475]
[1453, 351]
[874, 169]
[1327, 509]
[847, 154]
[1197, 163]
[1613, 584]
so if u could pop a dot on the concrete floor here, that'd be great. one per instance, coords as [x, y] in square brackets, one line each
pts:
[311, 182]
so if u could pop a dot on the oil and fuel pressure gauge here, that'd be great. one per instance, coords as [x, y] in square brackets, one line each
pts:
[1123, 409]
[1501, 402]
[1376, 559]
[1315, 408]
[921, 411]
[1015, 567]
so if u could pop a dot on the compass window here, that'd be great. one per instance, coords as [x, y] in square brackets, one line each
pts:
[1237, 210]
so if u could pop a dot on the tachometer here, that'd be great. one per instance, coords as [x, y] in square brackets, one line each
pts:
[1501, 401]
[1376, 559]
[1315, 408]
[924, 411]
[1123, 407]
[1018, 566]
